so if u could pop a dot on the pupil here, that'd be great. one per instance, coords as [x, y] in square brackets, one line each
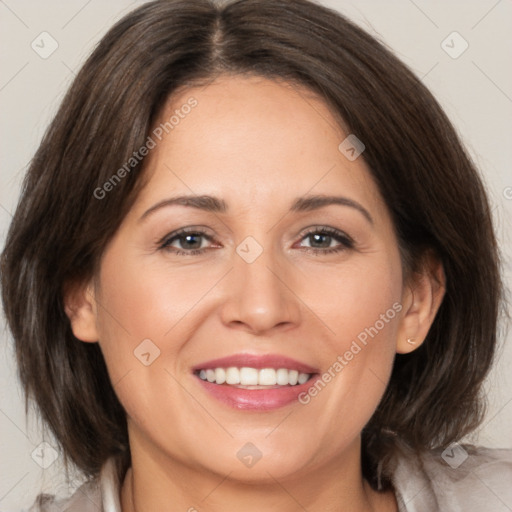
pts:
[319, 236]
[188, 239]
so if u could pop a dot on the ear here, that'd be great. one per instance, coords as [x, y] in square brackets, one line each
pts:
[80, 308]
[422, 298]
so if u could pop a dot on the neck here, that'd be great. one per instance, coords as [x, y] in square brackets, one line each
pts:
[159, 482]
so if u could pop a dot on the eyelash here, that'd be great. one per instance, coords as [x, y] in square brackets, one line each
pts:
[346, 241]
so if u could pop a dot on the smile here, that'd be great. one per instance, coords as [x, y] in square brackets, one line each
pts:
[255, 382]
[253, 378]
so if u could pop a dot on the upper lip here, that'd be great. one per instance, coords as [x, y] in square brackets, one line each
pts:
[256, 361]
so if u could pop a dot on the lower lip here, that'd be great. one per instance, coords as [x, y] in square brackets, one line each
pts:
[257, 399]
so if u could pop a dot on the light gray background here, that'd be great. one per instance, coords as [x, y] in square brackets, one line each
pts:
[475, 89]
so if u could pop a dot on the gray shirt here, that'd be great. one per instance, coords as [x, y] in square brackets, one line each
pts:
[449, 481]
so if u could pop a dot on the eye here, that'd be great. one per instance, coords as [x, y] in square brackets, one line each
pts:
[321, 238]
[190, 241]
[186, 242]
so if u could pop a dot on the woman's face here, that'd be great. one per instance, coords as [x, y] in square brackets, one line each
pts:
[265, 279]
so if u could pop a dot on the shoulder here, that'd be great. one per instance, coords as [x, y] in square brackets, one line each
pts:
[87, 498]
[460, 478]
[98, 495]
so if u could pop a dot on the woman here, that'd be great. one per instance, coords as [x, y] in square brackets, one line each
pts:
[238, 277]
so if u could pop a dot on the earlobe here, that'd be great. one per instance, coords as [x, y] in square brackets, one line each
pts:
[423, 297]
[80, 308]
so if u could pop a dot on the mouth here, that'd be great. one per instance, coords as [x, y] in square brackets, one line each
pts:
[252, 382]
[253, 378]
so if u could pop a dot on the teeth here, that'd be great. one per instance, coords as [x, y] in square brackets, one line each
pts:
[293, 377]
[248, 376]
[303, 377]
[282, 377]
[232, 376]
[267, 377]
[220, 375]
[253, 377]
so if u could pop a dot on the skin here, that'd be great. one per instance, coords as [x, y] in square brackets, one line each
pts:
[258, 145]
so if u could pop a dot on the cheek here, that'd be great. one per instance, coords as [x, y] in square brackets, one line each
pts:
[361, 306]
[368, 306]
[360, 301]
[139, 302]
[369, 318]
[132, 316]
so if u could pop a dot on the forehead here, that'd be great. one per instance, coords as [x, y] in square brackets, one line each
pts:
[251, 138]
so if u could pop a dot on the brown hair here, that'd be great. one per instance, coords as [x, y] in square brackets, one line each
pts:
[431, 187]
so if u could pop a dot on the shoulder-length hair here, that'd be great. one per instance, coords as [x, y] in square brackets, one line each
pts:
[431, 188]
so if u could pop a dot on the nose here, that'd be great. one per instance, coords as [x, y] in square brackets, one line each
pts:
[258, 295]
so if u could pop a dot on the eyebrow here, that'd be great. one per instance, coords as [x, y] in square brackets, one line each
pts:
[216, 205]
